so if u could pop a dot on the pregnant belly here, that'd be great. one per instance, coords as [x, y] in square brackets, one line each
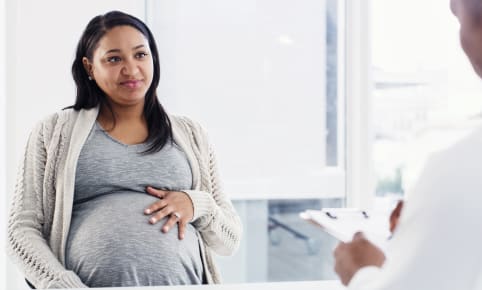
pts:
[112, 244]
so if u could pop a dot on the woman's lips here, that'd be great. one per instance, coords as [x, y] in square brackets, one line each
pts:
[131, 84]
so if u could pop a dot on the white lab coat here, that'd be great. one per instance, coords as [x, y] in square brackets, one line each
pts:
[438, 243]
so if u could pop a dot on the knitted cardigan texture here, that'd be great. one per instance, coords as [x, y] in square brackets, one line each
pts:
[41, 210]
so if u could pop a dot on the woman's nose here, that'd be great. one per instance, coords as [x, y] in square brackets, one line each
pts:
[130, 68]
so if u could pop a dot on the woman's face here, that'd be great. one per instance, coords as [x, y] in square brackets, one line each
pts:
[122, 65]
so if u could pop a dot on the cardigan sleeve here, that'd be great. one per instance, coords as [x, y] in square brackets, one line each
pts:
[27, 243]
[214, 215]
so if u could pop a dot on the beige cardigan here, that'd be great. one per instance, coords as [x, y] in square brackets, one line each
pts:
[40, 214]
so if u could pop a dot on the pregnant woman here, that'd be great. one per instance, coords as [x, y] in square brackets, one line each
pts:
[113, 191]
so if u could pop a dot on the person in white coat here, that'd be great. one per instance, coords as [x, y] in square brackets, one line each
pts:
[436, 244]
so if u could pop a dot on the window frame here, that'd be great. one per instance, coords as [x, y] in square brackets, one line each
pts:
[360, 178]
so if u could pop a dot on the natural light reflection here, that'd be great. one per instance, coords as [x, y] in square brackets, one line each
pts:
[425, 95]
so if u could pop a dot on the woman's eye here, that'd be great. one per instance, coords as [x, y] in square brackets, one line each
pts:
[141, 55]
[113, 59]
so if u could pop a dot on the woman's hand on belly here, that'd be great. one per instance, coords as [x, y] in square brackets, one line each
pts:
[175, 205]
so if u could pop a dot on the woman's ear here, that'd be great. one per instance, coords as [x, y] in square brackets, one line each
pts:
[88, 67]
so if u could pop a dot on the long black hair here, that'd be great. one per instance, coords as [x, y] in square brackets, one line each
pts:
[89, 95]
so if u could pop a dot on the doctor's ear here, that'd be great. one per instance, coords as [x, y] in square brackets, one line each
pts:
[88, 67]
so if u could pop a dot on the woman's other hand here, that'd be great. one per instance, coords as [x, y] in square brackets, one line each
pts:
[351, 257]
[175, 205]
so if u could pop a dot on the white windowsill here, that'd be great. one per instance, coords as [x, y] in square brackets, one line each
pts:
[308, 285]
[327, 183]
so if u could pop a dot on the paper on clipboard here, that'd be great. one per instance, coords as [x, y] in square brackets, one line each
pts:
[343, 223]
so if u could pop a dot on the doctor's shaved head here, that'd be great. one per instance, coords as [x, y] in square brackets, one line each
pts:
[469, 14]
[471, 8]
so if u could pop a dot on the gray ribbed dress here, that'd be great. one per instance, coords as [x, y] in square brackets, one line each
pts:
[110, 241]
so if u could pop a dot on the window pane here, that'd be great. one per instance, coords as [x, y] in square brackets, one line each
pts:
[262, 76]
[298, 250]
[279, 246]
[426, 95]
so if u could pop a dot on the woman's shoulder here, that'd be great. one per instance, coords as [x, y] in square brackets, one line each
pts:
[62, 122]
[186, 123]
[53, 120]
[186, 130]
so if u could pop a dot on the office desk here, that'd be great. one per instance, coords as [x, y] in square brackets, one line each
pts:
[309, 285]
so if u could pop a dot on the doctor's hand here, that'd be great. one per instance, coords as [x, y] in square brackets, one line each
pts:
[175, 205]
[395, 216]
[351, 257]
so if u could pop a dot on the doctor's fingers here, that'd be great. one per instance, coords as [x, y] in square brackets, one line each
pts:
[358, 236]
[339, 249]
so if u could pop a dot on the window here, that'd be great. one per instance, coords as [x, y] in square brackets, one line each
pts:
[425, 94]
[266, 77]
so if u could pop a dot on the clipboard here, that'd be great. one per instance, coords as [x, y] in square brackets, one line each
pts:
[343, 223]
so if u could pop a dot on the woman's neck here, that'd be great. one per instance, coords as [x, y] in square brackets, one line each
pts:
[125, 124]
[121, 114]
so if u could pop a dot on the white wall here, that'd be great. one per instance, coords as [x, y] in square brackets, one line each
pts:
[41, 40]
[3, 122]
